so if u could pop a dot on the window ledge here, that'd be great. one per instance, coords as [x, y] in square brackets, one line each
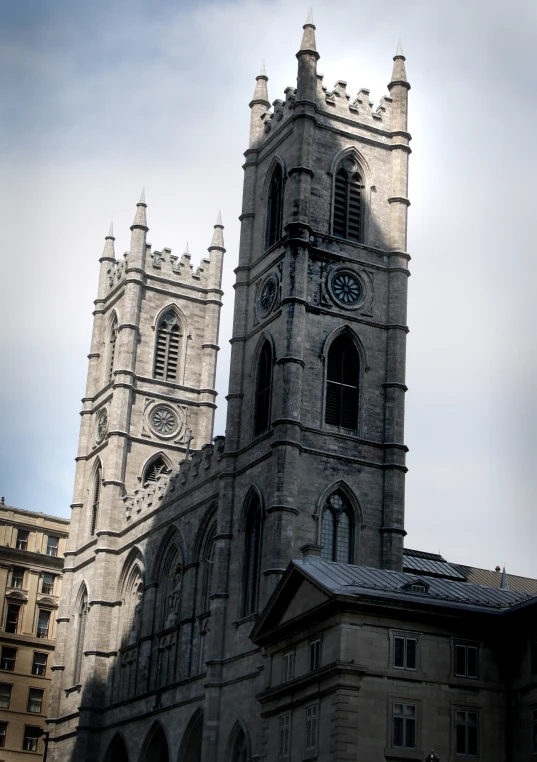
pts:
[404, 754]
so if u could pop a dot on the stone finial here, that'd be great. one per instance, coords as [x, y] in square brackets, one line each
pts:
[399, 52]
[111, 232]
[262, 70]
[399, 71]
[187, 250]
[140, 218]
[218, 235]
[142, 197]
[260, 96]
[309, 20]
[109, 251]
[308, 38]
[504, 584]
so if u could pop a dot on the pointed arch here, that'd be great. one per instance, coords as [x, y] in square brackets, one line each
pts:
[131, 590]
[208, 560]
[156, 747]
[264, 362]
[344, 368]
[190, 749]
[95, 493]
[238, 747]
[81, 609]
[274, 196]
[117, 750]
[339, 524]
[251, 567]
[351, 187]
[170, 333]
[112, 341]
[155, 465]
[170, 578]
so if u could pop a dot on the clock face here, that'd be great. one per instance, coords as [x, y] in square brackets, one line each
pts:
[346, 288]
[101, 425]
[268, 294]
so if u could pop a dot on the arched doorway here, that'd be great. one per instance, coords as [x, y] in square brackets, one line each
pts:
[155, 746]
[117, 751]
[191, 746]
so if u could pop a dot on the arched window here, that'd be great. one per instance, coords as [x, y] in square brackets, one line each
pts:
[263, 389]
[154, 469]
[80, 634]
[239, 746]
[348, 201]
[95, 499]
[167, 347]
[252, 556]
[337, 530]
[275, 206]
[208, 559]
[170, 587]
[112, 348]
[342, 376]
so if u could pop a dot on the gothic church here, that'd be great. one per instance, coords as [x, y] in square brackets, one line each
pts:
[185, 633]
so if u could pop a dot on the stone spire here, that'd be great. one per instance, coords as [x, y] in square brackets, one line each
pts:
[140, 218]
[108, 251]
[218, 235]
[308, 38]
[307, 62]
[399, 88]
[399, 72]
[504, 584]
[258, 105]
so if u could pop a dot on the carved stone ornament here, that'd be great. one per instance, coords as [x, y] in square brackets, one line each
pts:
[267, 295]
[163, 420]
[346, 288]
[101, 425]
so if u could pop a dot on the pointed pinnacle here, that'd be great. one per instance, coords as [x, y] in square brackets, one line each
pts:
[140, 218]
[262, 70]
[308, 38]
[309, 20]
[111, 231]
[399, 49]
[218, 235]
[187, 250]
[142, 197]
[219, 220]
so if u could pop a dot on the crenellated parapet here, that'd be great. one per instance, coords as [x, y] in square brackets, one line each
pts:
[191, 472]
[180, 268]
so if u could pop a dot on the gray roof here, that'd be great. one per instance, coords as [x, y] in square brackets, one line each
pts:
[345, 579]
[432, 568]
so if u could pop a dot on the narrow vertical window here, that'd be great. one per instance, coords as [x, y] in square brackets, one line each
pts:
[80, 634]
[315, 654]
[22, 539]
[404, 726]
[3, 733]
[288, 667]
[337, 530]
[342, 384]
[466, 732]
[39, 664]
[466, 660]
[263, 389]
[43, 623]
[252, 552]
[12, 617]
[208, 566]
[534, 729]
[95, 499]
[112, 348]
[167, 348]
[47, 583]
[30, 738]
[348, 201]
[52, 546]
[5, 695]
[7, 660]
[275, 206]
[17, 578]
[35, 700]
[284, 732]
[312, 723]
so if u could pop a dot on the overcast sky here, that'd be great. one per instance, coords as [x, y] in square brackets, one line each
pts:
[102, 98]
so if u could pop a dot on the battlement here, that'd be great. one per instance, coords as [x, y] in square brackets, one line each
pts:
[201, 465]
[180, 268]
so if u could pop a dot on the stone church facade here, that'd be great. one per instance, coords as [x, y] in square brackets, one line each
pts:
[178, 542]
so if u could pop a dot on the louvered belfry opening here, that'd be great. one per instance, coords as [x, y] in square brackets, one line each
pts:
[112, 350]
[167, 349]
[252, 552]
[95, 500]
[337, 530]
[348, 203]
[342, 384]
[154, 469]
[275, 206]
[263, 389]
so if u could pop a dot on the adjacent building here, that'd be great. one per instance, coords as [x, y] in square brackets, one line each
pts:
[32, 547]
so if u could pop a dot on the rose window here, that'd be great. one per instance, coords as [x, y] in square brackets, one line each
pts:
[102, 425]
[268, 295]
[346, 288]
[163, 420]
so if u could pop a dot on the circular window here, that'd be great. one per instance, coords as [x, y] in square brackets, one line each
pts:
[346, 288]
[101, 426]
[163, 420]
[267, 297]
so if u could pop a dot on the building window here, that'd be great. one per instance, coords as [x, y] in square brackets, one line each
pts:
[465, 660]
[404, 726]
[342, 376]
[52, 546]
[17, 578]
[12, 617]
[315, 654]
[534, 729]
[112, 349]
[95, 499]
[337, 530]
[466, 732]
[22, 539]
[155, 469]
[263, 389]
[43, 623]
[312, 726]
[252, 553]
[167, 347]
[404, 652]
[80, 635]
[47, 584]
[275, 206]
[7, 661]
[284, 735]
[348, 201]
[288, 667]
[39, 664]
[5, 695]
[3, 733]
[208, 566]
[31, 736]
[35, 700]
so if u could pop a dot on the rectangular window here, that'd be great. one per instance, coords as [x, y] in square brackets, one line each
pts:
[534, 729]
[22, 539]
[5, 695]
[288, 667]
[312, 717]
[31, 735]
[3, 732]
[17, 578]
[466, 732]
[285, 729]
[35, 700]
[404, 652]
[404, 726]
[7, 661]
[43, 623]
[52, 546]
[47, 584]
[39, 664]
[465, 660]
[315, 654]
[12, 617]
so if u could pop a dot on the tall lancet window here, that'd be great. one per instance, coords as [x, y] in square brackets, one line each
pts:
[337, 530]
[112, 349]
[95, 499]
[80, 634]
[167, 347]
[348, 201]
[275, 206]
[263, 389]
[342, 377]
[208, 560]
[252, 553]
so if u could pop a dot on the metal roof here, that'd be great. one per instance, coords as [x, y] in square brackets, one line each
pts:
[432, 568]
[345, 579]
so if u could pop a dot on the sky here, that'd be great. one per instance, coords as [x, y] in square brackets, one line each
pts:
[100, 99]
